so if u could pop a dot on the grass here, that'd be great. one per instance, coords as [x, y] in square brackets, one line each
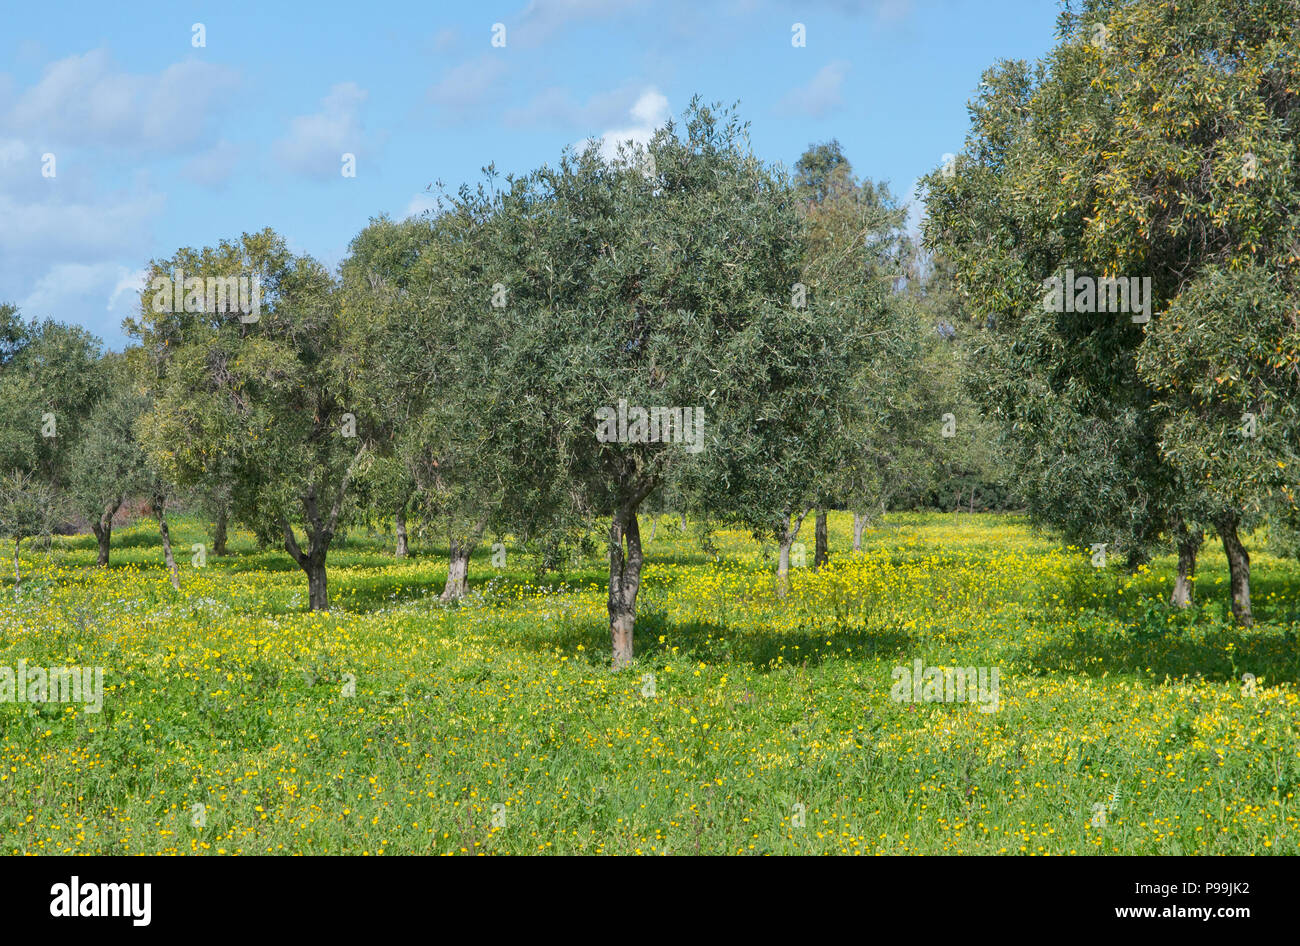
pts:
[749, 724]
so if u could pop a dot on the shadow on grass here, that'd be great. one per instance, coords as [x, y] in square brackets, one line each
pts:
[1270, 653]
[711, 643]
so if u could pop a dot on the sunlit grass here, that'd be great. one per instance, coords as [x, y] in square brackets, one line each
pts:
[228, 695]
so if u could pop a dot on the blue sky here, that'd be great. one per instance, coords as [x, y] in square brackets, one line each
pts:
[159, 144]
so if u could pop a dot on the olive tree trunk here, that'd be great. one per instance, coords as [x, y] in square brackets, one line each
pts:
[459, 550]
[624, 582]
[1238, 568]
[402, 547]
[103, 529]
[311, 561]
[219, 534]
[1189, 544]
[167, 548]
[320, 528]
[859, 526]
[789, 532]
[822, 553]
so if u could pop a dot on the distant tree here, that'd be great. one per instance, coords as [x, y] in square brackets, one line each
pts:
[183, 364]
[855, 256]
[28, 509]
[49, 380]
[107, 464]
[1096, 164]
[664, 279]
[822, 171]
[378, 303]
[268, 399]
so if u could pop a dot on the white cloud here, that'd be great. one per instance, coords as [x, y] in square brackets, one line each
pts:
[213, 167]
[77, 230]
[542, 18]
[126, 291]
[419, 204]
[315, 144]
[82, 101]
[648, 113]
[915, 203]
[101, 294]
[446, 39]
[820, 95]
[557, 107]
[469, 85]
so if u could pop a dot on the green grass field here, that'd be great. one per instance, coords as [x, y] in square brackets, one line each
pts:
[749, 724]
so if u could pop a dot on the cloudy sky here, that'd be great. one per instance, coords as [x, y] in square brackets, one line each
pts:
[122, 139]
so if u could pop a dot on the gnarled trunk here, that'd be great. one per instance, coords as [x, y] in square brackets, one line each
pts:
[103, 529]
[320, 533]
[822, 552]
[457, 585]
[1189, 543]
[1238, 568]
[624, 581]
[167, 548]
[104, 533]
[859, 526]
[318, 595]
[784, 541]
[459, 551]
[311, 561]
[401, 532]
[219, 534]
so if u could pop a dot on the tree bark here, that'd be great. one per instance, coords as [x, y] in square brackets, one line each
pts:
[219, 534]
[458, 554]
[683, 522]
[311, 561]
[654, 527]
[320, 533]
[785, 540]
[103, 529]
[859, 526]
[822, 553]
[1238, 568]
[624, 582]
[167, 548]
[457, 585]
[1189, 543]
[104, 533]
[401, 532]
[318, 595]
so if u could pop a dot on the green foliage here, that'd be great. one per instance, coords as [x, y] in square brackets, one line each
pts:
[258, 407]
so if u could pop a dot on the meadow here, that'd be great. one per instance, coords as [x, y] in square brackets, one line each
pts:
[235, 722]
